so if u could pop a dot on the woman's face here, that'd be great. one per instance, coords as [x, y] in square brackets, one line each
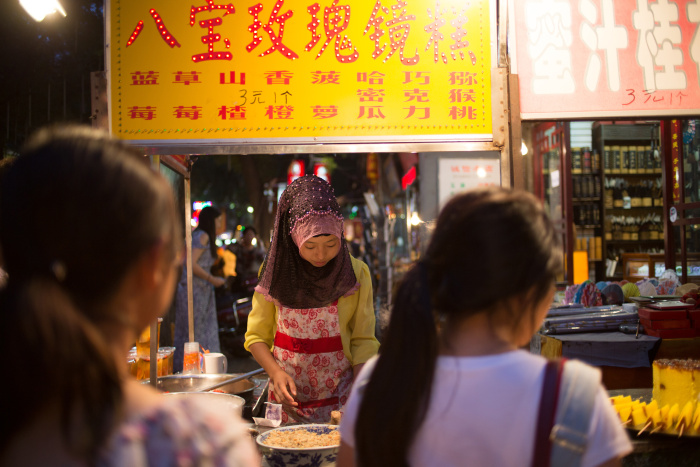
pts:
[220, 224]
[320, 250]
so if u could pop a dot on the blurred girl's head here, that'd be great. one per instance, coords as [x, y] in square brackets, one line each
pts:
[211, 222]
[78, 212]
[493, 252]
[490, 246]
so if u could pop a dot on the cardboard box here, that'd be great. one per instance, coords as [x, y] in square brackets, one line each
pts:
[665, 323]
[672, 333]
[654, 315]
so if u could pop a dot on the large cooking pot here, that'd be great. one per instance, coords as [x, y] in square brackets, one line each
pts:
[222, 403]
[193, 383]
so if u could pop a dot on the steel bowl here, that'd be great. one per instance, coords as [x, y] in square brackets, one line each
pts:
[299, 457]
[193, 383]
[221, 402]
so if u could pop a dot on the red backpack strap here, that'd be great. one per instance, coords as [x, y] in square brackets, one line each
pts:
[548, 408]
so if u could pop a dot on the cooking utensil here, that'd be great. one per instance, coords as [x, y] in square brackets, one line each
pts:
[232, 380]
[198, 382]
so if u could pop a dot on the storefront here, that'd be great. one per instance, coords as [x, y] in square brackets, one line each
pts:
[609, 96]
[285, 77]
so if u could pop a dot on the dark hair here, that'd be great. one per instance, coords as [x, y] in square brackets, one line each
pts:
[489, 245]
[207, 223]
[251, 228]
[77, 210]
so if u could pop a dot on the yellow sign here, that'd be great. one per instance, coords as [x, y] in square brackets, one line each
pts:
[313, 70]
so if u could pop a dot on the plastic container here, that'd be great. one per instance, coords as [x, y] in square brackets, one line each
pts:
[191, 361]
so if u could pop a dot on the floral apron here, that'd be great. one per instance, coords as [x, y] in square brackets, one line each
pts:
[308, 348]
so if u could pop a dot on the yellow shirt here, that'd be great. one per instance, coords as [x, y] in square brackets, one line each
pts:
[355, 316]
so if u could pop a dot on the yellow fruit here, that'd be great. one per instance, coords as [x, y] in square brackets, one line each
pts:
[686, 415]
[639, 417]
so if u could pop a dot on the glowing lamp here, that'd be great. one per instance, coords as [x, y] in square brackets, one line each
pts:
[580, 266]
[39, 9]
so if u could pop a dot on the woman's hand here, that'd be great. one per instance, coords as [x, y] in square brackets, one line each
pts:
[217, 281]
[284, 388]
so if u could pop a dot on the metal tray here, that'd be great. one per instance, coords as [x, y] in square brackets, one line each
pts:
[644, 395]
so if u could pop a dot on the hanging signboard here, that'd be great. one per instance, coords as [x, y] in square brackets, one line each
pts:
[458, 175]
[303, 71]
[615, 58]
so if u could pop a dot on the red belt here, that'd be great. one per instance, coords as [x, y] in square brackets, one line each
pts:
[319, 403]
[309, 346]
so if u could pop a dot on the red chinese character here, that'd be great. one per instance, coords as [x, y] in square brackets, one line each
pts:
[460, 78]
[373, 111]
[235, 112]
[376, 95]
[279, 112]
[164, 33]
[454, 168]
[458, 36]
[458, 113]
[209, 24]
[462, 95]
[325, 77]
[193, 112]
[418, 95]
[144, 79]
[147, 113]
[373, 78]
[399, 28]
[187, 78]
[334, 23]
[277, 44]
[324, 111]
[412, 110]
[278, 77]
[232, 78]
[423, 76]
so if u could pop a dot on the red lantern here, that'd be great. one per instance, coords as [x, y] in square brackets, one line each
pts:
[321, 171]
[296, 170]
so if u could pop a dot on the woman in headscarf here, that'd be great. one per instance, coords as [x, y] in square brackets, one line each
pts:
[312, 323]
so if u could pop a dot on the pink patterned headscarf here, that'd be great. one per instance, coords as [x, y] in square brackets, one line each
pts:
[307, 208]
[316, 224]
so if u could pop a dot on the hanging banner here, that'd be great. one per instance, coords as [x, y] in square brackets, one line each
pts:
[458, 175]
[308, 71]
[614, 58]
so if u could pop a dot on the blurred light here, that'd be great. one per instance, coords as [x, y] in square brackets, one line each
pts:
[250, 209]
[193, 222]
[523, 149]
[39, 9]
[415, 220]
[227, 241]
[254, 242]
[231, 206]
[481, 172]
[239, 227]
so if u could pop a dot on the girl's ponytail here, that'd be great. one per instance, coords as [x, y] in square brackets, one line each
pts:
[59, 361]
[395, 400]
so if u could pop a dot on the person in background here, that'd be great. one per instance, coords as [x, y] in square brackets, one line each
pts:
[452, 385]
[312, 325]
[206, 328]
[76, 300]
[250, 255]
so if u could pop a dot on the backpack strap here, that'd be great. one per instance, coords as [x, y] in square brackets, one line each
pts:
[548, 405]
[569, 436]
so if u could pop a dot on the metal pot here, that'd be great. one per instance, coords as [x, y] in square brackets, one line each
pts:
[193, 383]
[223, 403]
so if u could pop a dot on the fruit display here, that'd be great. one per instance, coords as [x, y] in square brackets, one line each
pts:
[675, 404]
[652, 418]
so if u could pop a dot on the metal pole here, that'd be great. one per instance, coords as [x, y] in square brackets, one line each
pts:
[188, 257]
[153, 367]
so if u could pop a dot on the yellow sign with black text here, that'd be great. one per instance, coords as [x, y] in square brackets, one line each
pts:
[313, 70]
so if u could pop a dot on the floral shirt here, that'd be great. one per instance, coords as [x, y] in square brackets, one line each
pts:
[181, 433]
